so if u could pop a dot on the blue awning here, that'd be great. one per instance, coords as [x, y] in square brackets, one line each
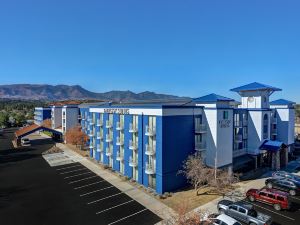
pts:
[273, 146]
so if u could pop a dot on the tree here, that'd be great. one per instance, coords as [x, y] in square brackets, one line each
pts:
[196, 172]
[20, 119]
[47, 123]
[200, 175]
[4, 119]
[184, 217]
[76, 136]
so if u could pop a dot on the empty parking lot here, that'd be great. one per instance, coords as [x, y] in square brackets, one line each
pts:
[32, 192]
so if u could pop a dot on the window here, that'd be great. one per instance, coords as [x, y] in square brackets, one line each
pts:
[271, 196]
[225, 115]
[233, 207]
[279, 198]
[241, 210]
[262, 194]
[265, 126]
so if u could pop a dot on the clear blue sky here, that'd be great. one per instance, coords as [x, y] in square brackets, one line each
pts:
[184, 47]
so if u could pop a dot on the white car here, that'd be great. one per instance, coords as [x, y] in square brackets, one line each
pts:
[224, 220]
[25, 141]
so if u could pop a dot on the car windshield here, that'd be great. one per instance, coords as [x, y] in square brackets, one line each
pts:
[25, 139]
[252, 213]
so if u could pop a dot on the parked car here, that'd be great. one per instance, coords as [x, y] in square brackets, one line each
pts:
[223, 220]
[284, 185]
[243, 212]
[25, 141]
[289, 176]
[278, 199]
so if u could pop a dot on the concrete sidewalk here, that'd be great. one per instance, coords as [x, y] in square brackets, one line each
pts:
[146, 200]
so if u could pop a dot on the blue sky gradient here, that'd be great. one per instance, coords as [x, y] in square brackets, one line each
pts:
[187, 48]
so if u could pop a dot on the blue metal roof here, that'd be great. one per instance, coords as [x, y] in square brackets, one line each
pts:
[282, 102]
[272, 145]
[212, 98]
[254, 87]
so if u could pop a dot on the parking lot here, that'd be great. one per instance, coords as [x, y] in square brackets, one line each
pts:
[111, 205]
[32, 192]
[283, 217]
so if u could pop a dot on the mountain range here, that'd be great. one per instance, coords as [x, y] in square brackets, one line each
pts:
[67, 92]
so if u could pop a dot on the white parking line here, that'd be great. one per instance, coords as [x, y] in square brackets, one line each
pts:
[73, 171]
[104, 198]
[77, 175]
[295, 198]
[76, 181]
[126, 217]
[83, 186]
[272, 211]
[105, 210]
[69, 167]
[102, 189]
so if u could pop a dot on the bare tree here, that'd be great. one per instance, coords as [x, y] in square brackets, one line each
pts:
[47, 123]
[199, 175]
[196, 172]
[76, 136]
[184, 217]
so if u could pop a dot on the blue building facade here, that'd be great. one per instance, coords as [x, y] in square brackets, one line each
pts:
[41, 114]
[147, 143]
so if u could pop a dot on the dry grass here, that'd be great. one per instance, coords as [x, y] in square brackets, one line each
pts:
[204, 196]
[54, 149]
[81, 152]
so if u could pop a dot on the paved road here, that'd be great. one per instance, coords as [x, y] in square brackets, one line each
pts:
[32, 192]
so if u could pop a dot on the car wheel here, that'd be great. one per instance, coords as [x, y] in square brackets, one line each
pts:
[292, 192]
[251, 198]
[269, 185]
[221, 211]
[277, 207]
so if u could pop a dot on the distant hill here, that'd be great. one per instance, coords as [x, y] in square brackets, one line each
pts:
[66, 92]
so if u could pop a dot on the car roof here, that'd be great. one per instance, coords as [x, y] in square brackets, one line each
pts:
[274, 191]
[243, 204]
[226, 219]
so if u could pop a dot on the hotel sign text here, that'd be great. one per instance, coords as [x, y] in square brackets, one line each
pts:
[117, 110]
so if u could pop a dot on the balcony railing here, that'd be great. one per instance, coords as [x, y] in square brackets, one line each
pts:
[133, 145]
[238, 138]
[150, 131]
[239, 152]
[132, 128]
[119, 156]
[99, 135]
[119, 141]
[149, 169]
[132, 162]
[92, 123]
[150, 150]
[91, 134]
[108, 138]
[200, 128]
[99, 123]
[200, 146]
[99, 149]
[108, 124]
[108, 152]
[119, 126]
[238, 123]
[91, 145]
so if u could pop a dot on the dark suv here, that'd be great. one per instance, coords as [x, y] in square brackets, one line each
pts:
[284, 184]
[278, 199]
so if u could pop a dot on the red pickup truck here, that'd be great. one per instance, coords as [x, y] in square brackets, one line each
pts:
[278, 199]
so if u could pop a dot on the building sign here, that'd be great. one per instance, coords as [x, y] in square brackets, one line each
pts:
[117, 110]
[224, 123]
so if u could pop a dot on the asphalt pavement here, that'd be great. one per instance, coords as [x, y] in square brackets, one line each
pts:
[32, 192]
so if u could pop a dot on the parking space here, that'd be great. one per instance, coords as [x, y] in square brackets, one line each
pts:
[108, 203]
[283, 217]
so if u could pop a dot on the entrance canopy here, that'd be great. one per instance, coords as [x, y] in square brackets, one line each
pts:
[33, 128]
[272, 146]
